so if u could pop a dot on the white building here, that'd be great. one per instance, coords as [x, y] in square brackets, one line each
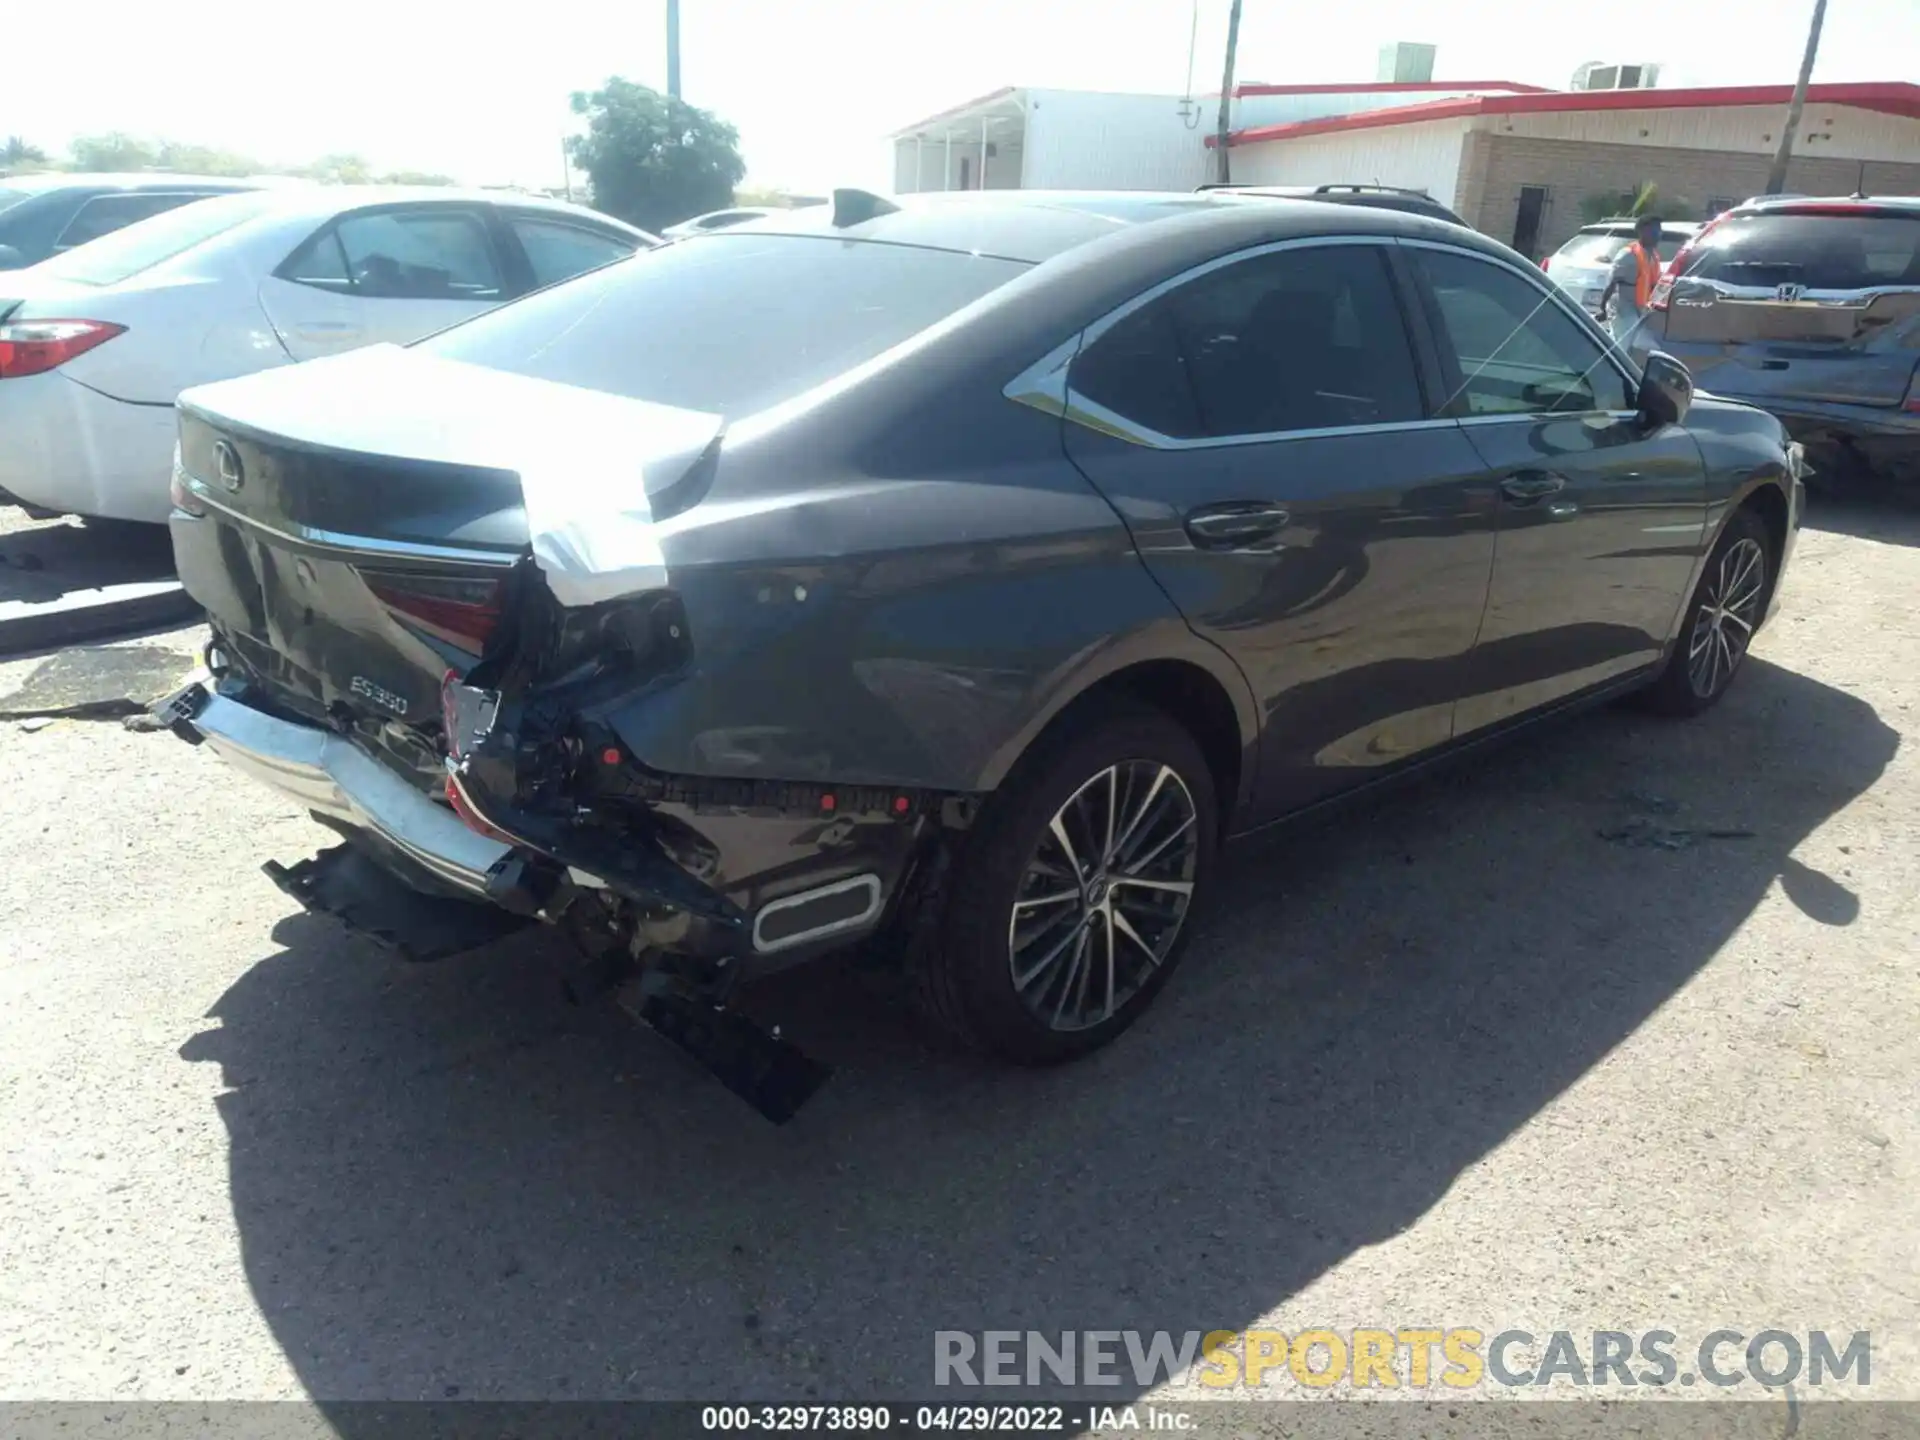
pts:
[1516, 161]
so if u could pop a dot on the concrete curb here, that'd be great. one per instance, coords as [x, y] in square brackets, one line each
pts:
[99, 614]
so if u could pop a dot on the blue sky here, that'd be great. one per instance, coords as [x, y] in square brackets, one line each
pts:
[814, 85]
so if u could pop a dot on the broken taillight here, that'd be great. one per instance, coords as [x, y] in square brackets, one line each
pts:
[1663, 287]
[472, 818]
[460, 610]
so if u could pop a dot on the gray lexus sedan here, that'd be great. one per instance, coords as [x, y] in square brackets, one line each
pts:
[950, 575]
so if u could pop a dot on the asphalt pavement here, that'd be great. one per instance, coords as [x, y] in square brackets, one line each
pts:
[1614, 1028]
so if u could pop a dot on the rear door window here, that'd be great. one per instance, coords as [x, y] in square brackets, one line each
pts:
[1592, 248]
[1307, 339]
[436, 253]
[1833, 250]
[731, 323]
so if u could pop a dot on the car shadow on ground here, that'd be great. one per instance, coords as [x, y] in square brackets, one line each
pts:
[450, 1183]
[46, 562]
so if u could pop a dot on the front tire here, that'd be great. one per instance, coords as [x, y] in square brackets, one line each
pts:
[1073, 896]
[1720, 621]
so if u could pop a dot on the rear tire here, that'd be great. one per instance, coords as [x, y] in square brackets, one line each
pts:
[1719, 622]
[1073, 895]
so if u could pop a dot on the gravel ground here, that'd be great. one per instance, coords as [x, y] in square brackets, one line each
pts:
[1521, 1046]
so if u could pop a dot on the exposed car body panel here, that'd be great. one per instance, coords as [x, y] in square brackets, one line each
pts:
[1845, 351]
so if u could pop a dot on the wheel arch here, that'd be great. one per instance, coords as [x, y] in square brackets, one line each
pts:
[1197, 686]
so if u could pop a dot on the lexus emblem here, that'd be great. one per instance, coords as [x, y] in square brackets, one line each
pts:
[226, 460]
[1789, 293]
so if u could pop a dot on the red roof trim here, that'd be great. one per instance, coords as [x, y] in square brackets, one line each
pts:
[1889, 97]
[1391, 87]
[906, 131]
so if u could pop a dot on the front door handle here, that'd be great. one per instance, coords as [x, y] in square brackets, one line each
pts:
[1236, 526]
[1523, 487]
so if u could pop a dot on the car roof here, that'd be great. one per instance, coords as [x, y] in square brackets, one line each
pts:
[140, 180]
[318, 202]
[1037, 225]
[1627, 227]
[1760, 204]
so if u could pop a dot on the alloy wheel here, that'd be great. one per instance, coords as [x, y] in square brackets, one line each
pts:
[1729, 611]
[1104, 895]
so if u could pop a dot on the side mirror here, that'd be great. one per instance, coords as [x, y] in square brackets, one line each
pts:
[1666, 390]
[10, 258]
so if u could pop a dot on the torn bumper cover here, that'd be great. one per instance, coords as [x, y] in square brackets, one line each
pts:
[342, 784]
[424, 842]
[827, 881]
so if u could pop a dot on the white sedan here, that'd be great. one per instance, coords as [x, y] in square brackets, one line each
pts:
[96, 344]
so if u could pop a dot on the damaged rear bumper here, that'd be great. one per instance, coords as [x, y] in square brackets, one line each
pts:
[336, 780]
[773, 883]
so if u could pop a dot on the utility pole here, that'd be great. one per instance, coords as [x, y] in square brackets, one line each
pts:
[566, 170]
[1777, 178]
[673, 48]
[1226, 92]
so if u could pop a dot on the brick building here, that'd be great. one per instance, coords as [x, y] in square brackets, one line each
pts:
[1519, 164]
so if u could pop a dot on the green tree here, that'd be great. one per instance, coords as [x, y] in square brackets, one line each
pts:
[654, 160]
[17, 154]
[205, 160]
[415, 177]
[1625, 204]
[113, 151]
[339, 170]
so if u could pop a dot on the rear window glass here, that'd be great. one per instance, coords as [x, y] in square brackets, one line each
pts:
[125, 253]
[1592, 249]
[730, 323]
[1821, 252]
[12, 192]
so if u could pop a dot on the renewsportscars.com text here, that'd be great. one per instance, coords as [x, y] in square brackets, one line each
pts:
[1459, 1358]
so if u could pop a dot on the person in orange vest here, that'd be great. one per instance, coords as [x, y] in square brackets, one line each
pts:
[1636, 270]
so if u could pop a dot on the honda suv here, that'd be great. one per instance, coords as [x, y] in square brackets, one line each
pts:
[1809, 308]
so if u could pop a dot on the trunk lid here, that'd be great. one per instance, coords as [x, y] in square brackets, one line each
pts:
[366, 524]
[1820, 303]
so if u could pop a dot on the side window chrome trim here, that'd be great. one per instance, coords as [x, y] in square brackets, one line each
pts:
[1044, 384]
[1585, 322]
[1537, 417]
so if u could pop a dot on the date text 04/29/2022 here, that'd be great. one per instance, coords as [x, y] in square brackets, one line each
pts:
[940, 1419]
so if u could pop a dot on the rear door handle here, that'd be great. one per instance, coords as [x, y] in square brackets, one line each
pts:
[1523, 487]
[327, 332]
[1237, 525]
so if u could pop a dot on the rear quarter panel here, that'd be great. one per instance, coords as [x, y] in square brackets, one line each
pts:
[902, 582]
[914, 633]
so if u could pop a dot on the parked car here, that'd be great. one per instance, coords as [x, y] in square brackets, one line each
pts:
[717, 220]
[95, 344]
[1583, 265]
[959, 572]
[1379, 197]
[1810, 308]
[44, 215]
